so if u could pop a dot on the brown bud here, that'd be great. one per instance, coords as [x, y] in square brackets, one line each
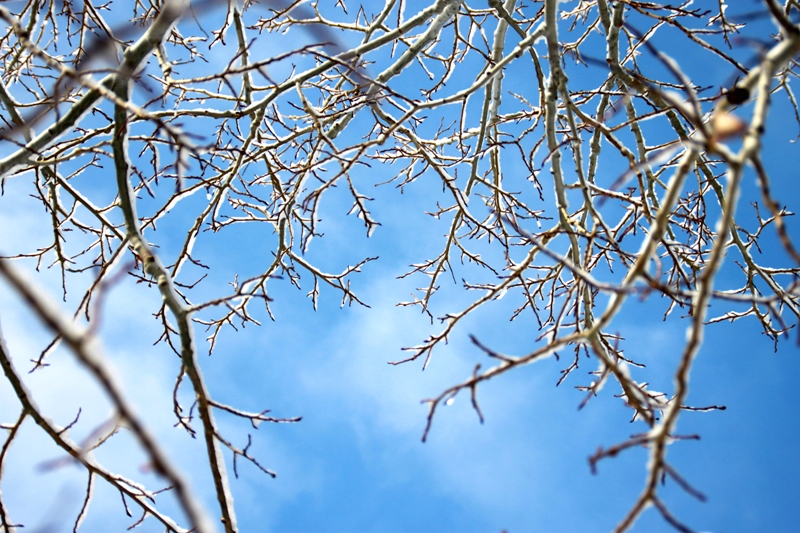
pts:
[737, 95]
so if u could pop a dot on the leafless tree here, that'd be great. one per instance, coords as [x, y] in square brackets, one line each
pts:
[422, 91]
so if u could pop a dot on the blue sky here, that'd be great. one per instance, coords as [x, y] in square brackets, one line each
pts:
[356, 462]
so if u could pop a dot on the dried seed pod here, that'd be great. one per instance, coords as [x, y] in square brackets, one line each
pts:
[725, 125]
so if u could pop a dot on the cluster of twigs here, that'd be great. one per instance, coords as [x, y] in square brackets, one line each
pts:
[495, 101]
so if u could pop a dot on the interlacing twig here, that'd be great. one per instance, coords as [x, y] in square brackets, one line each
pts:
[579, 167]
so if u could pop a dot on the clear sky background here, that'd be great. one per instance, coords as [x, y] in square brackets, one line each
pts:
[356, 462]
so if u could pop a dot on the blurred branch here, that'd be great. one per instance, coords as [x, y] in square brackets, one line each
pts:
[87, 352]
